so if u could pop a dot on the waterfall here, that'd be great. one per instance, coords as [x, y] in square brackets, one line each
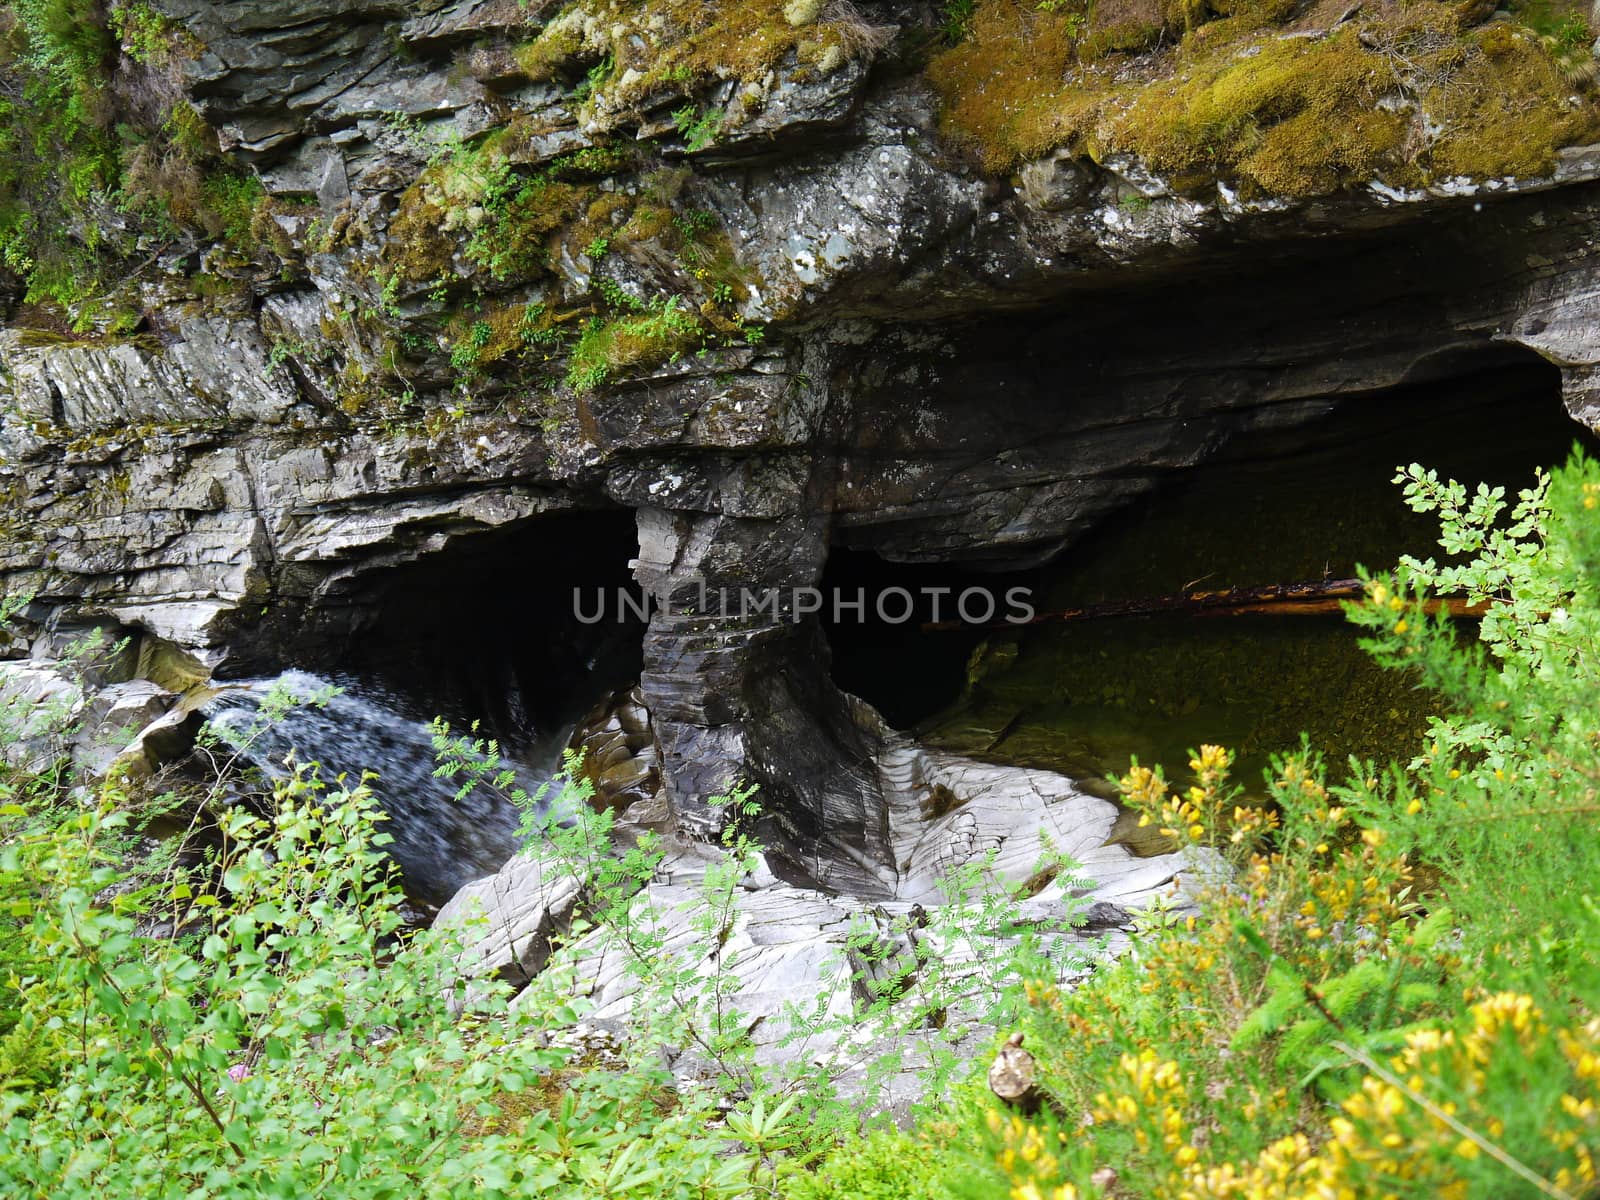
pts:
[349, 724]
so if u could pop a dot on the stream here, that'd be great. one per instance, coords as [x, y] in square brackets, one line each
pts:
[350, 723]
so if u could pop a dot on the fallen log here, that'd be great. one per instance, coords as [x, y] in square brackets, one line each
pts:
[1322, 598]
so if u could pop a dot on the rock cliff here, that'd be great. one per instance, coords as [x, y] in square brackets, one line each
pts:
[374, 283]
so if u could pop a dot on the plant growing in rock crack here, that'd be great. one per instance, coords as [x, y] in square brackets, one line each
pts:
[465, 354]
[698, 128]
[657, 330]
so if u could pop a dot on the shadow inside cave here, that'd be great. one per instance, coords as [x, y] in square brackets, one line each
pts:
[1303, 503]
[483, 634]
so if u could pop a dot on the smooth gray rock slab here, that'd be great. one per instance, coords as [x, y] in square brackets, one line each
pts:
[113, 718]
[506, 920]
[783, 948]
[38, 703]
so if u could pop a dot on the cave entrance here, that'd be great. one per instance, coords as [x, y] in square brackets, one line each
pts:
[486, 629]
[1302, 503]
[880, 651]
[484, 632]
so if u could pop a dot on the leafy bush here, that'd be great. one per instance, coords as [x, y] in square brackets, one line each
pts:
[884, 1165]
[1398, 993]
[295, 1040]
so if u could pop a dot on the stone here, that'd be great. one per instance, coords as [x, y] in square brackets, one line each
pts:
[164, 740]
[112, 718]
[802, 12]
[618, 746]
[801, 103]
[1055, 183]
[506, 920]
[39, 702]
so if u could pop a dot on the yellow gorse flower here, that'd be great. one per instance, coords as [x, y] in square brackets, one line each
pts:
[1383, 1142]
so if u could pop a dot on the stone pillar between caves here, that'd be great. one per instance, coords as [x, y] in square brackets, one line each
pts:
[745, 697]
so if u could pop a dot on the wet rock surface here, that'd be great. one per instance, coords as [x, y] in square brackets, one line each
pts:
[890, 352]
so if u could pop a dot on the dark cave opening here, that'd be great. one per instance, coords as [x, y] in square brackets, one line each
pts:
[1301, 502]
[903, 671]
[486, 629]
[484, 633]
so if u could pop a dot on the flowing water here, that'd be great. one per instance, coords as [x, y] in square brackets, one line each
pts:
[1081, 699]
[348, 724]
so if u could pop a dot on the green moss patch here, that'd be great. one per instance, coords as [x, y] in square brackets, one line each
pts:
[1248, 91]
[631, 52]
[653, 334]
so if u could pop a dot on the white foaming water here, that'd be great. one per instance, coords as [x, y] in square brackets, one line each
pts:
[440, 843]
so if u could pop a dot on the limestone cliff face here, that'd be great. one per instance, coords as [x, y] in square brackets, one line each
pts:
[765, 275]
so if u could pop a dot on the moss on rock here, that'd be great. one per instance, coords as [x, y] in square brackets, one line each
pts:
[1283, 104]
[416, 247]
[636, 52]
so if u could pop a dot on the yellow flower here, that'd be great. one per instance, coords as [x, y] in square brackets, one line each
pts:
[1211, 759]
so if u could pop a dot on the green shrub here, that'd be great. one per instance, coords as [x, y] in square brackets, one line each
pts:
[292, 1042]
[885, 1165]
[1399, 992]
[97, 146]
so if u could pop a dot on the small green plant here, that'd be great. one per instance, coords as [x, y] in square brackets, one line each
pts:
[389, 295]
[694, 223]
[234, 198]
[955, 19]
[884, 1165]
[595, 78]
[144, 35]
[697, 128]
[467, 353]
[597, 247]
[618, 297]
[282, 350]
